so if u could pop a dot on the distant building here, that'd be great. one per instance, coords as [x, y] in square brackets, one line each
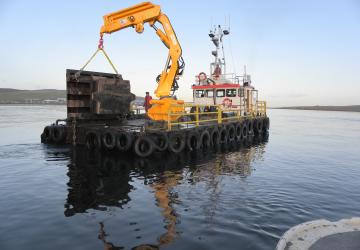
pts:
[54, 101]
[61, 100]
[49, 101]
[33, 101]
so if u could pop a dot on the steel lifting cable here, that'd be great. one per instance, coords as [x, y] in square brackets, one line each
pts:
[100, 48]
[108, 58]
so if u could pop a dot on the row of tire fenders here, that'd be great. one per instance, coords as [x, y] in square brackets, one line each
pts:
[144, 144]
[54, 134]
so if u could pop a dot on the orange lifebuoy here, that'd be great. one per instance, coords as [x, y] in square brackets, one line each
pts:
[202, 76]
[227, 102]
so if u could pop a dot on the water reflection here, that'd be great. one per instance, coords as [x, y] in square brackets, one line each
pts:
[96, 181]
[100, 180]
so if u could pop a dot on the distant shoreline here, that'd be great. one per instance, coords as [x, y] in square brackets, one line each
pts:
[349, 108]
[352, 108]
[32, 104]
[10, 96]
[42, 97]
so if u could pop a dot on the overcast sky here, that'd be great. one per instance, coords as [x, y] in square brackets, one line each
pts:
[298, 52]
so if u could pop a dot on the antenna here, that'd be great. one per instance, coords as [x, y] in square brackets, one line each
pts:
[229, 23]
[216, 35]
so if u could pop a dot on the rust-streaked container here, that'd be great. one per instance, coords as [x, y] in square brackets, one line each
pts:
[94, 95]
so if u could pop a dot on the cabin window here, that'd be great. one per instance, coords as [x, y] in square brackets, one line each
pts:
[220, 93]
[199, 93]
[231, 92]
[241, 92]
[210, 93]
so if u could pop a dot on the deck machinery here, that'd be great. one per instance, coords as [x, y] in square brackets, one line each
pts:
[225, 107]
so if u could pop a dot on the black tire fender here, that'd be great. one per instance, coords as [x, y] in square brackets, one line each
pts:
[254, 121]
[93, 140]
[144, 146]
[58, 134]
[215, 136]
[223, 135]
[124, 141]
[266, 123]
[259, 125]
[205, 139]
[176, 142]
[46, 136]
[193, 140]
[244, 130]
[161, 140]
[231, 132]
[250, 127]
[109, 140]
[238, 131]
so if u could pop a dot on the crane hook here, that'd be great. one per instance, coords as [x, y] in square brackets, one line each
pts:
[101, 42]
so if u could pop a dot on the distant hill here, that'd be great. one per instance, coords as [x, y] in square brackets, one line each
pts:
[8, 95]
[40, 96]
[7, 90]
[349, 108]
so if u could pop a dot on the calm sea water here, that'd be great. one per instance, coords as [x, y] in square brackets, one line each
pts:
[237, 198]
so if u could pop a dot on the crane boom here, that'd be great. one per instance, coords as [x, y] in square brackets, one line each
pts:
[136, 16]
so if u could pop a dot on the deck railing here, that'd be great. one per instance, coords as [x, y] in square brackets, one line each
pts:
[195, 115]
[261, 108]
[223, 78]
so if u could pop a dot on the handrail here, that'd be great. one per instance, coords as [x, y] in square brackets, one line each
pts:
[214, 113]
[230, 77]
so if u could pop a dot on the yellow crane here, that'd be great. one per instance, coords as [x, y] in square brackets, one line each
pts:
[135, 17]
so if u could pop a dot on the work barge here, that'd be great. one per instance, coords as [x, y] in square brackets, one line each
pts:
[101, 114]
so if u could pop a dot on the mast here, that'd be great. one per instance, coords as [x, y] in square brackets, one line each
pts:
[218, 67]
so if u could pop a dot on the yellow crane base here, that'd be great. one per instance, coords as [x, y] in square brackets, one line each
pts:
[166, 109]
